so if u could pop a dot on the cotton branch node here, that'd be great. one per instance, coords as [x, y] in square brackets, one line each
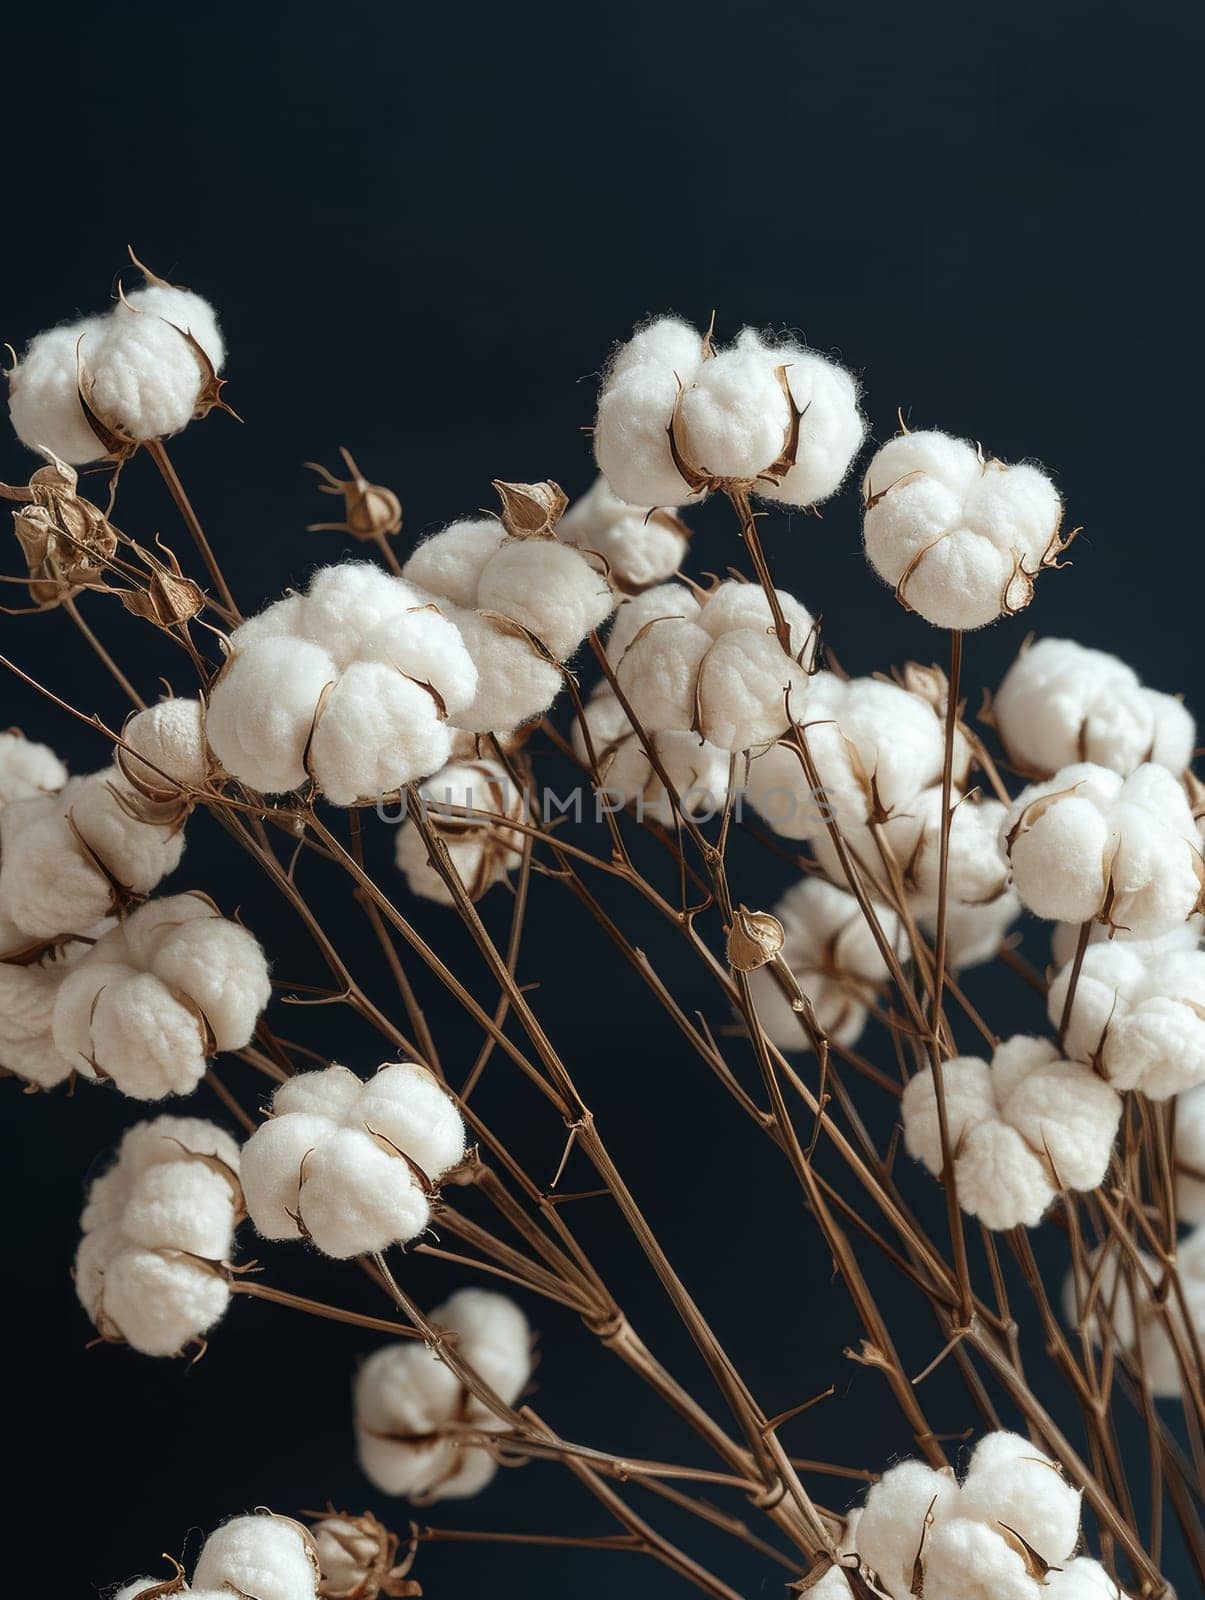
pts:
[352, 1166]
[960, 536]
[410, 1407]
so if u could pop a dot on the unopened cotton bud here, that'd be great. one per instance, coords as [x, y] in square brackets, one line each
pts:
[1088, 843]
[959, 537]
[1138, 1015]
[356, 1557]
[268, 1557]
[27, 769]
[1018, 1131]
[531, 510]
[1060, 703]
[640, 545]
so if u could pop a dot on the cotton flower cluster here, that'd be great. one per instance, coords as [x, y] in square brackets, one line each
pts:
[72, 857]
[261, 1556]
[409, 1406]
[27, 770]
[1115, 1301]
[1138, 1015]
[157, 1229]
[159, 994]
[834, 958]
[1009, 1529]
[675, 418]
[960, 537]
[1089, 843]
[521, 604]
[351, 684]
[351, 1166]
[481, 848]
[697, 770]
[1061, 703]
[146, 368]
[712, 665]
[1020, 1130]
[641, 545]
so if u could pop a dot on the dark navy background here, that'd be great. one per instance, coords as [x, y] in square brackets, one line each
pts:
[423, 229]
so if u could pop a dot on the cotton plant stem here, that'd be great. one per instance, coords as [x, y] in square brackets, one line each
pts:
[255, 1290]
[157, 451]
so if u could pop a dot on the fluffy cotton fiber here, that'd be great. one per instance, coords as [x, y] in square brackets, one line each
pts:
[163, 751]
[1088, 841]
[482, 849]
[1019, 1131]
[1061, 703]
[778, 419]
[697, 769]
[29, 985]
[409, 1405]
[640, 545]
[834, 958]
[959, 537]
[157, 1227]
[348, 1164]
[270, 1558]
[28, 770]
[157, 995]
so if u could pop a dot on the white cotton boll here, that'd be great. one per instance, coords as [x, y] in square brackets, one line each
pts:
[633, 615]
[170, 737]
[43, 393]
[347, 604]
[402, 1396]
[481, 851]
[150, 1043]
[549, 589]
[1064, 936]
[142, 377]
[977, 869]
[659, 673]
[449, 564]
[734, 417]
[1189, 1155]
[1061, 702]
[892, 1525]
[697, 770]
[262, 709]
[748, 690]
[271, 1169]
[358, 1197]
[974, 932]
[959, 538]
[641, 546]
[1059, 1107]
[27, 769]
[185, 310]
[966, 1560]
[282, 619]
[328, 1092]
[406, 1105]
[1010, 1481]
[182, 1205]
[1083, 1579]
[831, 428]
[270, 1558]
[347, 1553]
[635, 409]
[217, 965]
[744, 606]
[159, 1303]
[376, 732]
[426, 646]
[661, 342]
[493, 1336]
[28, 990]
[168, 1139]
[121, 830]
[514, 683]
[48, 886]
[969, 1101]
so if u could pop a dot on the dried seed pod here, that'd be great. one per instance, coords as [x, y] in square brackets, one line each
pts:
[754, 939]
[358, 1559]
[370, 511]
[66, 540]
[531, 510]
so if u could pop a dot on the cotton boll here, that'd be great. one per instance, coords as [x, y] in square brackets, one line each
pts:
[347, 604]
[831, 428]
[185, 310]
[660, 342]
[47, 886]
[734, 417]
[142, 377]
[1083, 1579]
[449, 564]
[744, 606]
[170, 737]
[1189, 1155]
[697, 770]
[402, 1395]
[167, 1139]
[161, 1302]
[640, 545]
[1064, 937]
[270, 1558]
[493, 1336]
[27, 994]
[549, 589]
[282, 619]
[262, 710]
[426, 646]
[966, 1560]
[659, 673]
[405, 1105]
[1060, 703]
[348, 1551]
[1061, 1108]
[328, 1092]
[969, 1101]
[357, 1197]
[136, 846]
[150, 1043]
[273, 1161]
[182, 1205]
[974, 932]
[1010, 1482]
[481, 850]
[43, 393]
[376, 732]
[748, 690]
[514, 683]
[27, 770]
[635, 409]
[666, 600]
[892, 1525]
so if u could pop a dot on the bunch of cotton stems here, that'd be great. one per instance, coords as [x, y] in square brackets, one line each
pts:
[641, 545]
[1089, 843]
[1018, 1131]
[605, 741]
[1010, 1527]
[677, 418]
[139, 372]
[467, 806]
[411, 1409]
[1061, 703]
[960, 536]
[522, 599]
[349, 686]
[711, 663]
[350, 1165]
[155, 997]
[264, 1556]
[158, 1232]
[833, 956]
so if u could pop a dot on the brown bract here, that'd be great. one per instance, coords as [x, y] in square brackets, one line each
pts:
[66, 540]
[374, 1549]
[531, 510]
[370, 511]
[754, 939]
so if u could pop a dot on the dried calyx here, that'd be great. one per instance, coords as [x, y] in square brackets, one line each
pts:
[370, 511]
[67, 541]
[531, 510]
[358, 1558]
